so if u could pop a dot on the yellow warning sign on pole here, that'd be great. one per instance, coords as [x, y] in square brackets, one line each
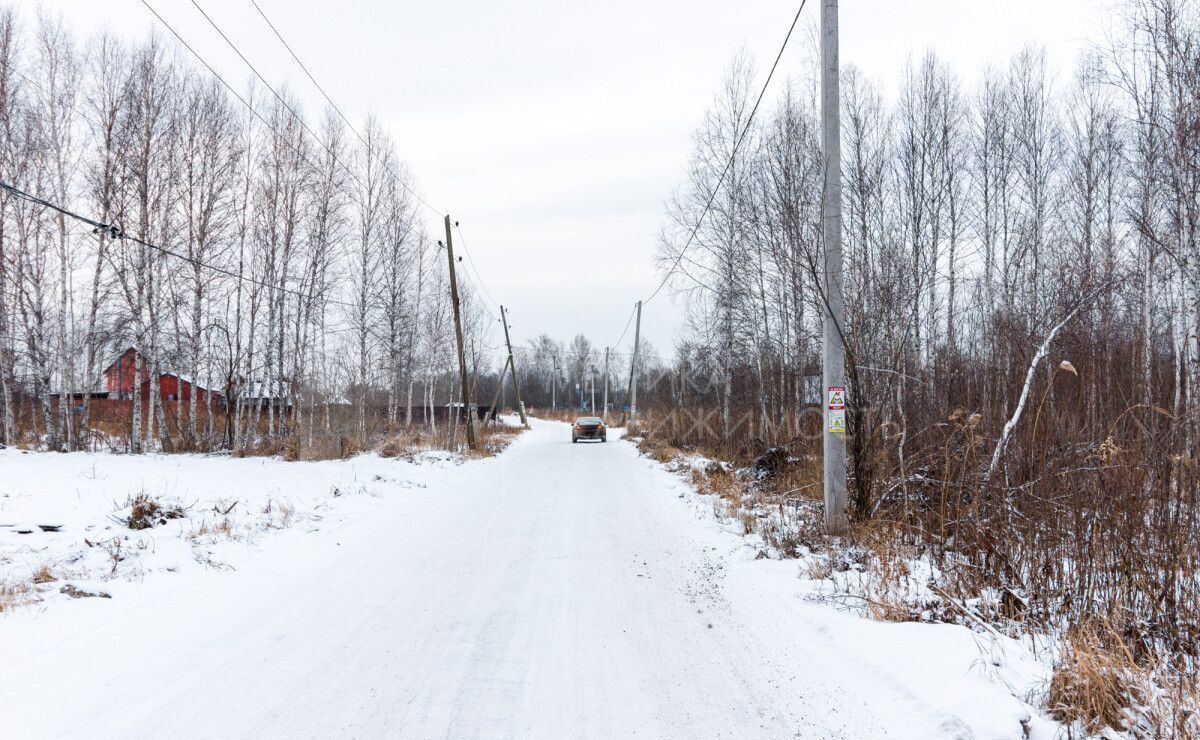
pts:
[836, 409]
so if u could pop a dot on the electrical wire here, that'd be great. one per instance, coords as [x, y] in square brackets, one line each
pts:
[295, 146]
[296, 115]
[471, 260]
[116, 232]
[329, 100]
[732, 156]
[304, 68]
[626, 329]
[259, 116]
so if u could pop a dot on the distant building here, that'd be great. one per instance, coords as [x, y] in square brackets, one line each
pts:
[123, 372]
[121, 375]
[262, 394]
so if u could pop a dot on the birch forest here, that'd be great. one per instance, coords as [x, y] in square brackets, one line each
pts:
[1022, 280]
[279, 259]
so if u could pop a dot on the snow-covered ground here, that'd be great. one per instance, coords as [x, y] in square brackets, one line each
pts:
[553, 591]
[66, 516]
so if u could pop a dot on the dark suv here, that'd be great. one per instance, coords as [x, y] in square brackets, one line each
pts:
[588, 427]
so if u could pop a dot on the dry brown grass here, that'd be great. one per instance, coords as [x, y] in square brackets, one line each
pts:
[146, 512]
[495, 438]
[1095, 682]
[44, 575]
[222, 528]
[15, 593]
[296, 447]
[657, 446]
[280, 514]
[1100, 684]
[400, 445]
[567, 415]
[888, 587]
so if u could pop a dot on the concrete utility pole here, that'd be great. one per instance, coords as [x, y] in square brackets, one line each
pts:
[833, 364]
[637, 339]
[605, 415]
[593, 374]
[458, 333]
[512, 365]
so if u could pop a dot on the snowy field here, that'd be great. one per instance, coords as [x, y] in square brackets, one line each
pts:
[65, 516]
[554, 591]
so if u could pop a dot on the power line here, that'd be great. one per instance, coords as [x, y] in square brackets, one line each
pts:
[328, 99]
[290, 110]
[304, 68]
[295, 145]
[287, 106]
[471, 260]
[116, 232]
[626, 329]
[732, 155]
[475, 291]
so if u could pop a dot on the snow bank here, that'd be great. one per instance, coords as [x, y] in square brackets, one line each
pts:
[983, 684]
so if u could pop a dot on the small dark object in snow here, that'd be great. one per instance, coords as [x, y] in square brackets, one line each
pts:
[50, 527]
[146, 513]
[78, 593]
[769, 463]
[710, 625]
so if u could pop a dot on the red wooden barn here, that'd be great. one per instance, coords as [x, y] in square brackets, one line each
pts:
[120, 376]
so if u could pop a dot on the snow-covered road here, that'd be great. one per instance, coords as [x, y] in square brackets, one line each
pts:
[555, 591]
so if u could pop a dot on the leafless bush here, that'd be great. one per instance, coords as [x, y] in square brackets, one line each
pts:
[146, 512]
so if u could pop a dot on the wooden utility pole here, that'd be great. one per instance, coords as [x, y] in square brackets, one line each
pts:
[637, 339]
[833, 361]
[499, 387]
[458, 334]
[605, 415]
[512, 365]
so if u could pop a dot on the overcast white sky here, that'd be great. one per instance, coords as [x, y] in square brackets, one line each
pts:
[554, 131]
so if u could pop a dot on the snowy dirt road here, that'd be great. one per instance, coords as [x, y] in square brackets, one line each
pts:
[555, 591]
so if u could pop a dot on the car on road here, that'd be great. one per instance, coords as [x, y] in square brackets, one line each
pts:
[588, 427]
